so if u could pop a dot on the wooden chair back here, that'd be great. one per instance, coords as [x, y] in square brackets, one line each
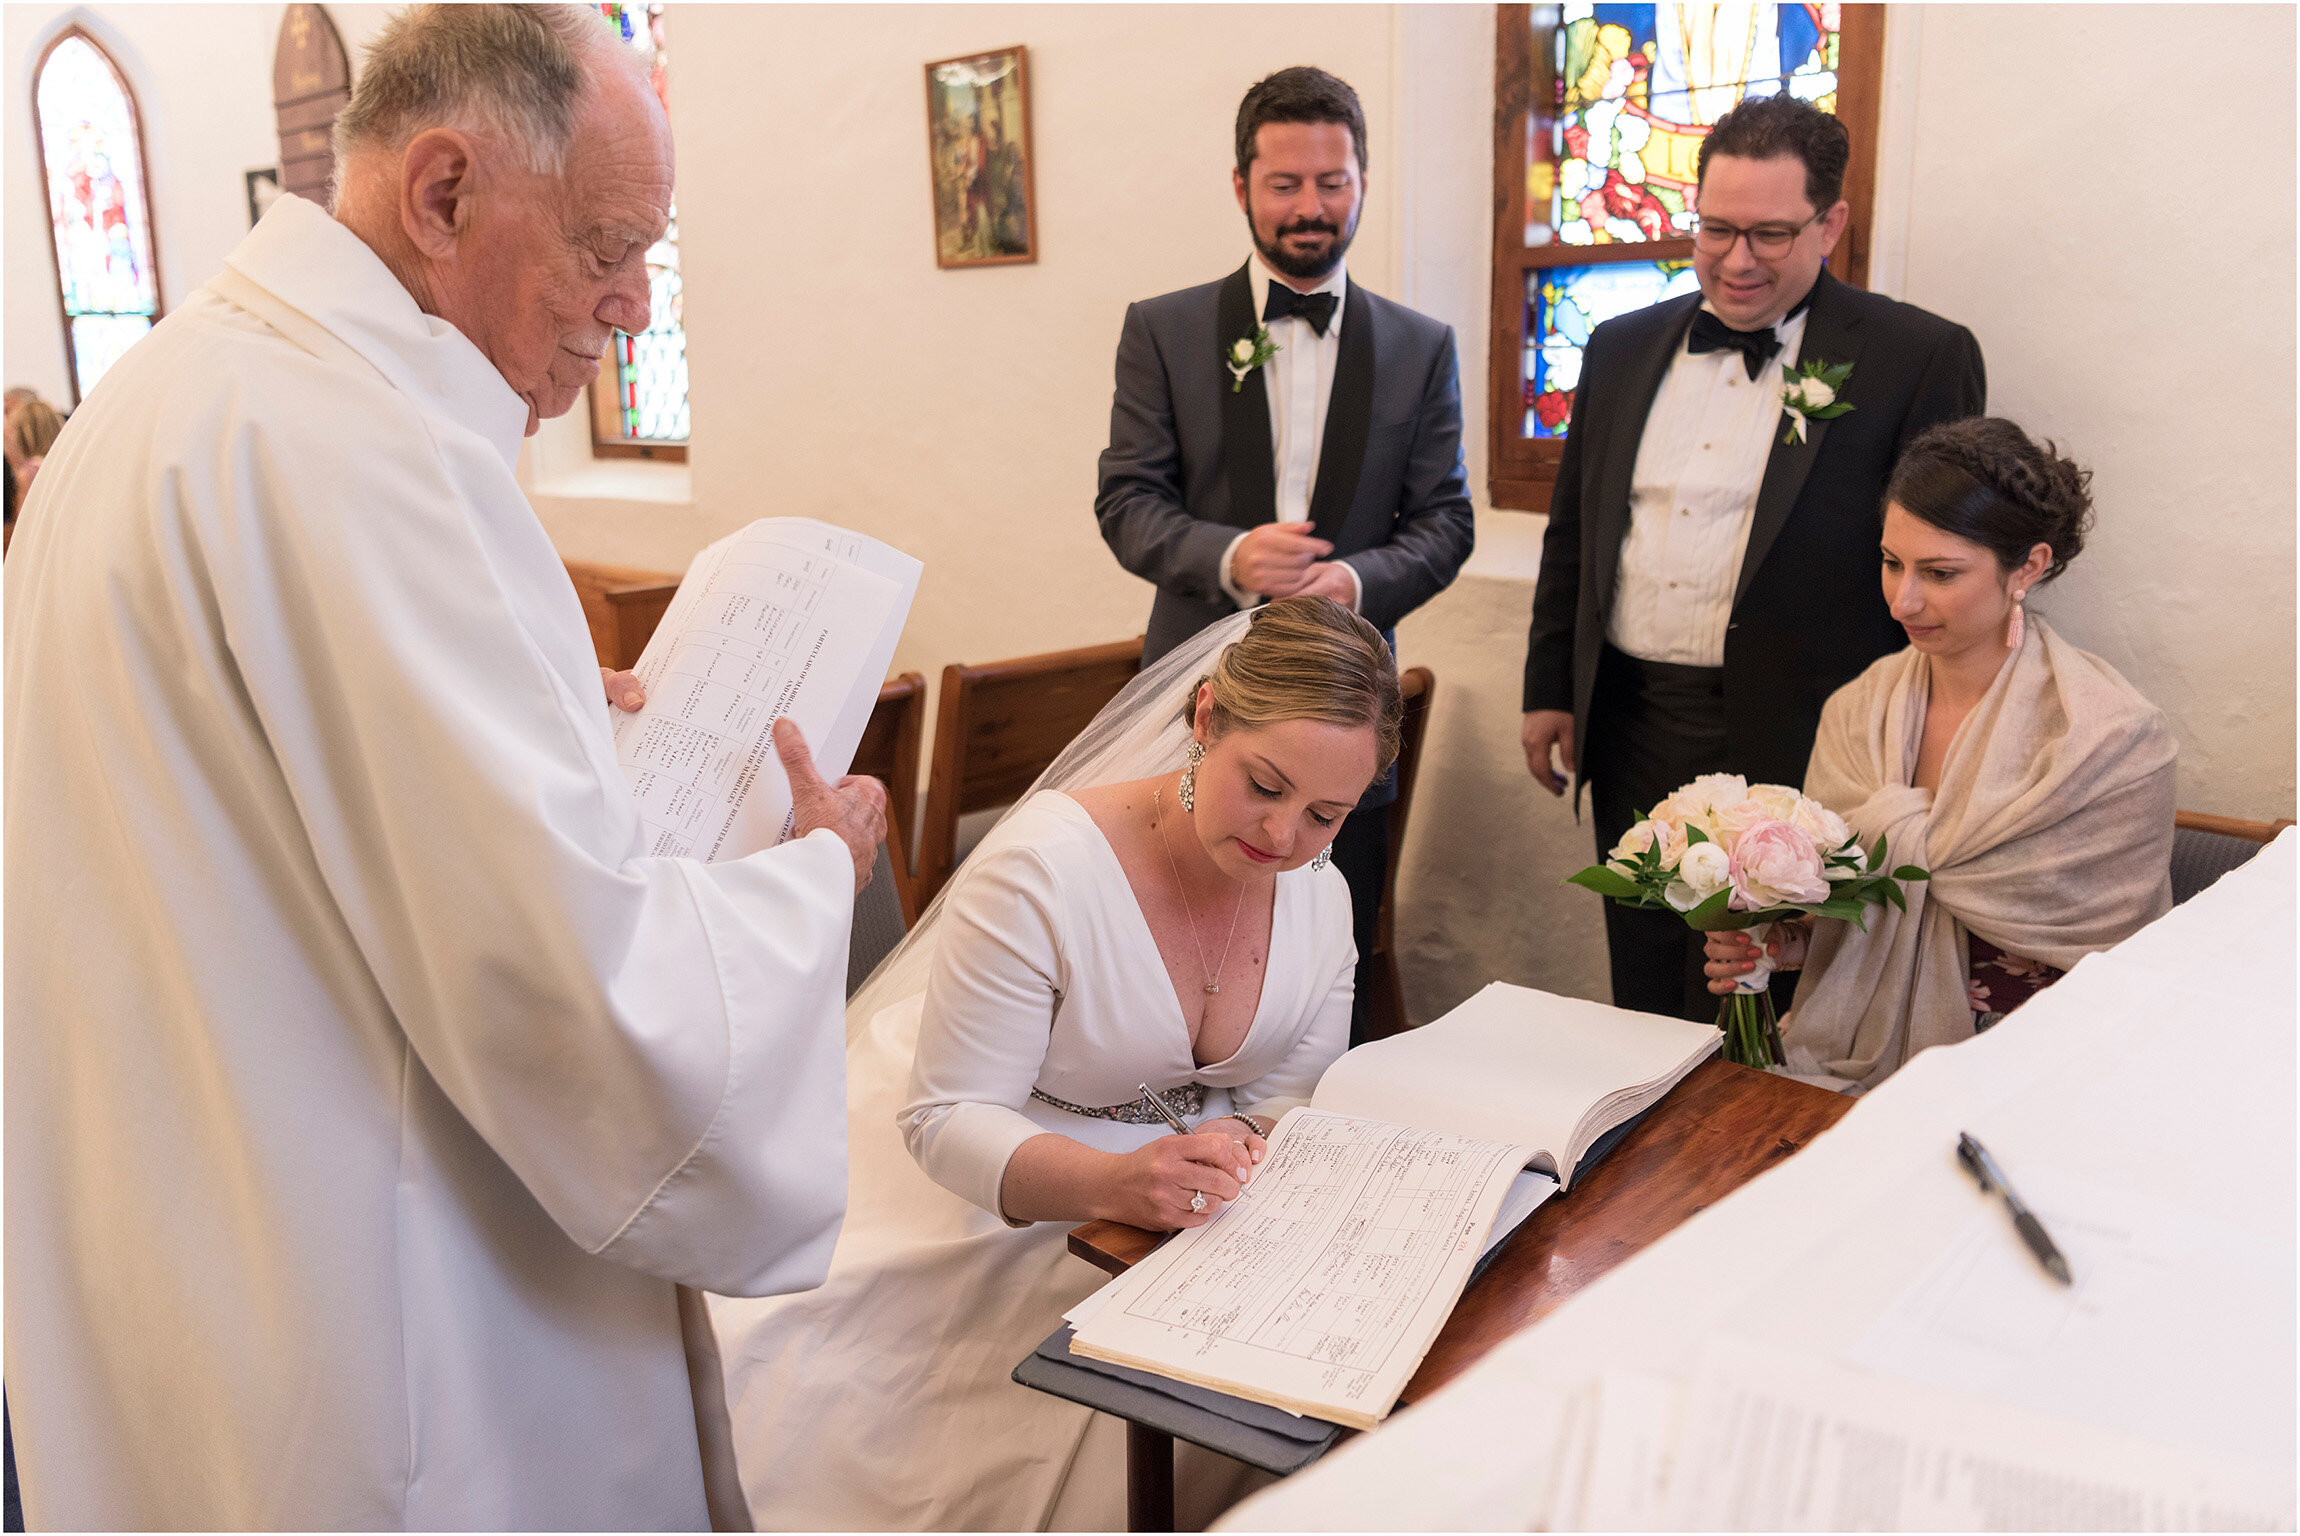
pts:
[997, 727]
[1386, 1002]
[2206, 847]
[622, 605]
[889, 752]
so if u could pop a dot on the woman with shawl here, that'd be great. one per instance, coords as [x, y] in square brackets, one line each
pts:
[1159, 911]
[2030, 778]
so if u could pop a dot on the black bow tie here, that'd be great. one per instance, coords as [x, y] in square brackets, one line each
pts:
[1317, 308]
[1711, 334]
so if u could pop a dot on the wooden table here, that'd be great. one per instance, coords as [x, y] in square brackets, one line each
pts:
[1718, 1129]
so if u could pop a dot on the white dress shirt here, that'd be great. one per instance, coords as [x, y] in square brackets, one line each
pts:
[1691, 499]
[1300, 384]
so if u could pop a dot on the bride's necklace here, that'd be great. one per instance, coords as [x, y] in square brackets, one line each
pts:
[1213, 976]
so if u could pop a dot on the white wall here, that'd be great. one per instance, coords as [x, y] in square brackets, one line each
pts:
[202, 75]
[2139, 309]
[2133, 289]
[837, 371]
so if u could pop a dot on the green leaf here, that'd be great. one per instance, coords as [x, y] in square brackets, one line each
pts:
[1877, 854]
[1910, 872]
[1694, 834]
[1715, 916]
[1607, 882]
[1839, 907]
[1893, 895]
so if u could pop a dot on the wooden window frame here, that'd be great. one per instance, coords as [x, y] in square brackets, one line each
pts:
[607, 440]
[1521, 472]
[47, 202]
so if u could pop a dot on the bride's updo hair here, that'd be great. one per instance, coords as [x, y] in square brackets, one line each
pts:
[1309, 658]
[1986, 481]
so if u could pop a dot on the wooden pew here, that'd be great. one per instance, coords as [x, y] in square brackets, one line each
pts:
[622, 605]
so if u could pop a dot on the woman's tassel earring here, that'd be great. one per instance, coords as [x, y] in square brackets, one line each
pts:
[1325, 857]
[1187, 790]
[2018, 627]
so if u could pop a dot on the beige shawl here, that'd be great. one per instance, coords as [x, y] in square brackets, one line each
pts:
[2050, 837]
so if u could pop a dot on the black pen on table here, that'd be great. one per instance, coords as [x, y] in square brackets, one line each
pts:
[1984, 1168]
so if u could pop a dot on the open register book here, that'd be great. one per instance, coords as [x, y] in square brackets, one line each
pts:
[1322, 1286]
[788, 616]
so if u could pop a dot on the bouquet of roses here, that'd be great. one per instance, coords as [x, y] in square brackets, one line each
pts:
[1723, 853]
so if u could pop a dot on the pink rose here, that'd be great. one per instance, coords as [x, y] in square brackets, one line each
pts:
[1775, 863]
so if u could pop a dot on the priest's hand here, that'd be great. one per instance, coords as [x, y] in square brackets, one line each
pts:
[854, 807]
[623, 690]
[1544, 729]
[1155, 1181]
[1275, 558]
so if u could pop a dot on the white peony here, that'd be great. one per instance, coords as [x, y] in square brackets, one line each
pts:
[1824, 825]
[1633, 844]
[1705, 870]
[1764, 802]
[1777, 800]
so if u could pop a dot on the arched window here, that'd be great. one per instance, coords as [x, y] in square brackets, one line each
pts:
[639, 400]
[100, 216]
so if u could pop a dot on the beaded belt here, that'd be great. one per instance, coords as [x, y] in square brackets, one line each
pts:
[1188, 1101]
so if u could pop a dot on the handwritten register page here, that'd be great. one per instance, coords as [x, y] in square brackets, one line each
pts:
[789, 616]
[1322, 1286]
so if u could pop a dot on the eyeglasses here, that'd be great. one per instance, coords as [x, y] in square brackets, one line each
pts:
[1767, 240]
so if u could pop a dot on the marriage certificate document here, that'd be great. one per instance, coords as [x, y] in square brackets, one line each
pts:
[788, 616]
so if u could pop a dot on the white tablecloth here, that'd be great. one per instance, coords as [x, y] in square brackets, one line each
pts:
[2161, 1072]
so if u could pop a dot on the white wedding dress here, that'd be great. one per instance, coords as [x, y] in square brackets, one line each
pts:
[886, 1399]
[883, 1400]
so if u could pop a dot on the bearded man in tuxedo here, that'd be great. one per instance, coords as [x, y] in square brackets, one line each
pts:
[1330, 466]
[1709, 576]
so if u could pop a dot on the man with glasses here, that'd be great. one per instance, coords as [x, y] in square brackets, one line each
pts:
[1709, 576]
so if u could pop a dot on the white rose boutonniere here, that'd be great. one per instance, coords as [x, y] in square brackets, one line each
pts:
[1246, 354]
[1809, 393]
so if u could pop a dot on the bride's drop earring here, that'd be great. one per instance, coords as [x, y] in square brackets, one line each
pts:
[1187, 790]
[2018, 627]
[1325, 857]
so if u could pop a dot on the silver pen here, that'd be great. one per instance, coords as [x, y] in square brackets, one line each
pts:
[1165, 1110]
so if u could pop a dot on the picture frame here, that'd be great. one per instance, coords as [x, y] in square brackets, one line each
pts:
[981, 171]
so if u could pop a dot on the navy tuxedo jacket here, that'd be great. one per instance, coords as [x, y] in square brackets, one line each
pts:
[1809, 613]
[1190, 464]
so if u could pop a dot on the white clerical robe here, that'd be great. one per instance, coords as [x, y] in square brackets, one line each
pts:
[367, 1088]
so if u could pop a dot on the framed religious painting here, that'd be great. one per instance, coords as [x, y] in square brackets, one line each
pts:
[978, 146]
[1599, 115]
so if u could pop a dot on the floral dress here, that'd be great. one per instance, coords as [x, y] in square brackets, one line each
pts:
[1997, 983]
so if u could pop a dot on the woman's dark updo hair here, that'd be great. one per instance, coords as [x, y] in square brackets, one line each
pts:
[1985, 480]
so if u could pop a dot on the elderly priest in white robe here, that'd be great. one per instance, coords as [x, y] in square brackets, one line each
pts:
[370, 1092]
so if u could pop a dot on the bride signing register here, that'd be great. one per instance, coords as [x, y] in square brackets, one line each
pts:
[1158, 911]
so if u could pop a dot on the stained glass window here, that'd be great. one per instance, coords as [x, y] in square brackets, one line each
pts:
[98, 212]
[1564, 304]
[1637, 88]
[641, 397]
